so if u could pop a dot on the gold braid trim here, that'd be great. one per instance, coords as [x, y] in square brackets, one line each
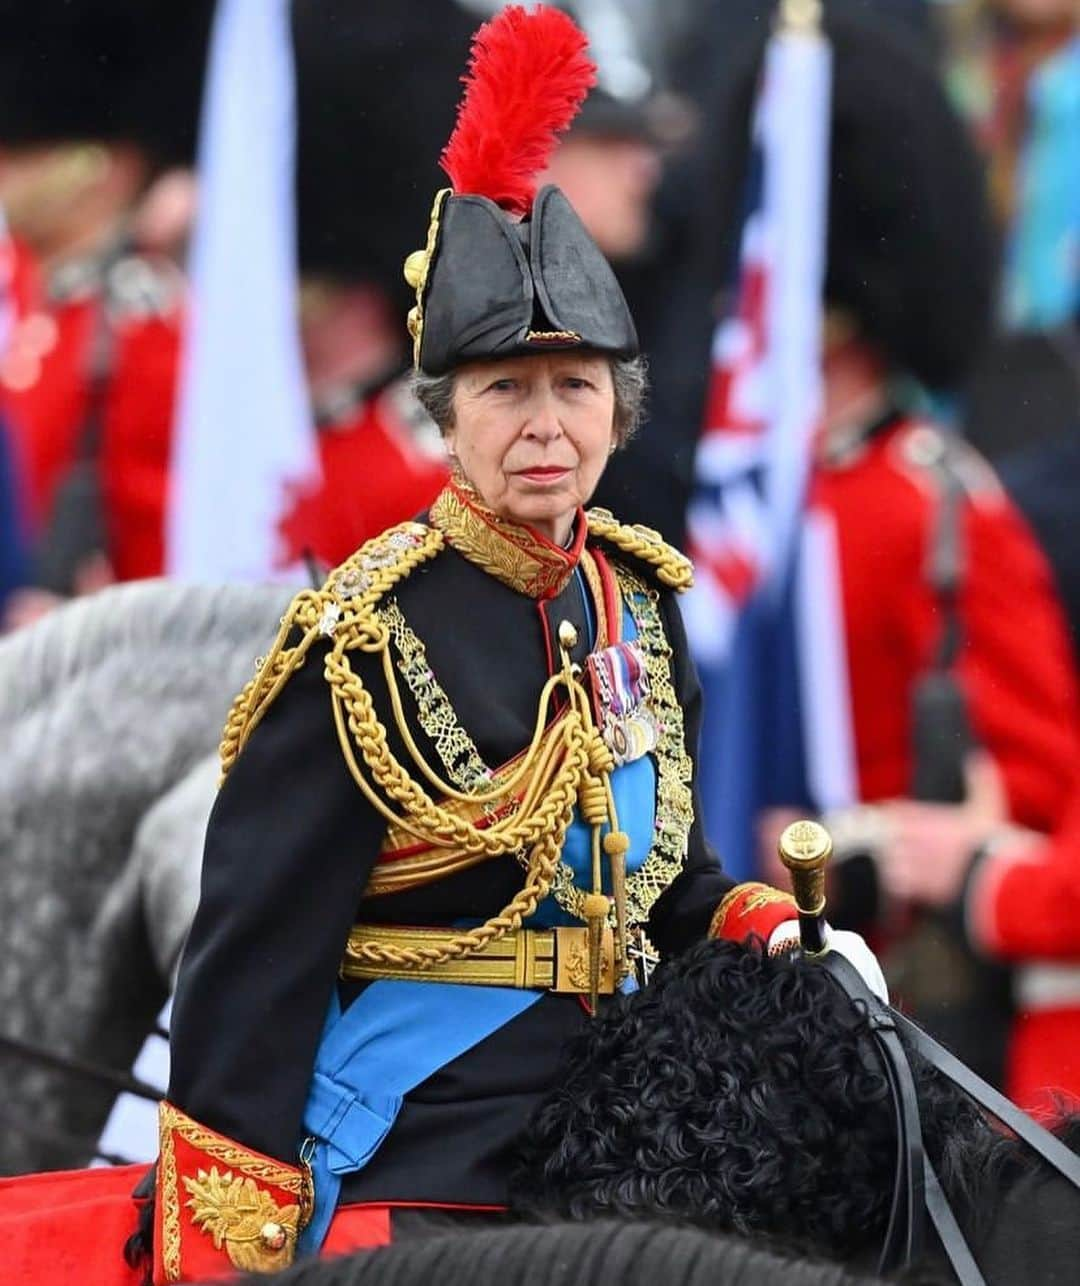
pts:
[549, 774]
[551, 336]
[345, 602]
[673, 569]
[212, 1195]
[466, 769]
[168, 1194]
[674, 767]
[456, 749]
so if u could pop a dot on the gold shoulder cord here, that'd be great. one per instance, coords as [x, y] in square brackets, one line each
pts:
[674, 802]
[567, 769]
[673, 569]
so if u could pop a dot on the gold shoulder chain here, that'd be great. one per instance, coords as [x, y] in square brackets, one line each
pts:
[345, 602]
[674, 767]
[673, 569]
[463, 764]
[456, 749]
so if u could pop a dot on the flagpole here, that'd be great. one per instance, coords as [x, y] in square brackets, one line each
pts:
[800, 17]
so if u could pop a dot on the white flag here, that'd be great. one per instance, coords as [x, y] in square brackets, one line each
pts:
[244, 434]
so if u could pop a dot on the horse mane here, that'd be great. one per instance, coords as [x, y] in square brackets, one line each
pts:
[736, 1093]
[560, 1254]
[105, 706]
[140, 619]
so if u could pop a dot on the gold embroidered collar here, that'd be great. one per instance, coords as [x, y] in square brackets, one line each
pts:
[516, 555]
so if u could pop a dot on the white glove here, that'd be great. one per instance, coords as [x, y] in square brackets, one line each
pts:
[852, 946]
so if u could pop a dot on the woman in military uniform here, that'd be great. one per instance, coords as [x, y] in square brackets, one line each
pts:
[458, 805]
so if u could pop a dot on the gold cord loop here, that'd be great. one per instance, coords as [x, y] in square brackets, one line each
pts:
[566, 765]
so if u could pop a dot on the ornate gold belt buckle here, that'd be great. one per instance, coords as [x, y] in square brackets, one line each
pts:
[572, 961]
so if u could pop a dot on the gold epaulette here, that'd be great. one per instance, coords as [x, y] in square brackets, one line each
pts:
[671, 568]
[342, 611]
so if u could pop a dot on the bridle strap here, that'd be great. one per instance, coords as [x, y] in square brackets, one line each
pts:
[952, 1239]
[905, 1233]
[917, 1188]
[1040, 1140]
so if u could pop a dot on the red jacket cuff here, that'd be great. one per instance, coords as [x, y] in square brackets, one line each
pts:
[751, 909]
[219, 1206]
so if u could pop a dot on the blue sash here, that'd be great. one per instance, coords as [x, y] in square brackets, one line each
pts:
[396, 1034]
[389, 1040]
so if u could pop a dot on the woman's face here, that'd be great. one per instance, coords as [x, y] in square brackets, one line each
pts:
[532, 434]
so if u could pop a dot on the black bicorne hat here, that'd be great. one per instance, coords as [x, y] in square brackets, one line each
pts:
[504, 272]
[501, 288]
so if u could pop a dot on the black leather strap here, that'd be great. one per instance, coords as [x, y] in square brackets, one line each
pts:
[948, 1231]
[917, 1190]
[905, 1233]
[1040, 1140]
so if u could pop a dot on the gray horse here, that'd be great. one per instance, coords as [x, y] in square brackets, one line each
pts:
[110, 713]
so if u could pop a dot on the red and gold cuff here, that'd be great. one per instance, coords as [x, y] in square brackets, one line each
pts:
[221, 1207]
[751, 909]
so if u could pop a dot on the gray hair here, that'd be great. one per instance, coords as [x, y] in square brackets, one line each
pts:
[629, 377]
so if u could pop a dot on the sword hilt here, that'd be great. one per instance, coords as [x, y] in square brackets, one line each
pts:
[805, 847]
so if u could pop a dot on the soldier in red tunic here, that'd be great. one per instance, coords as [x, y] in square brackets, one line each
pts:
[87, 379]
[953, 635]
[1018, 893]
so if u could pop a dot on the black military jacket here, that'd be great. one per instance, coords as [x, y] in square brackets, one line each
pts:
[289, 850]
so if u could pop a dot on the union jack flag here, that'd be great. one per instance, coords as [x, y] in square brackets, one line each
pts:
[774, 675]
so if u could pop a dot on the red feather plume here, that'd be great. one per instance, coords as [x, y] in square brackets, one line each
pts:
[528, 76]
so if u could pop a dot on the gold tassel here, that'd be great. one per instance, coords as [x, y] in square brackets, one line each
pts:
[596, 910]
[616, 846]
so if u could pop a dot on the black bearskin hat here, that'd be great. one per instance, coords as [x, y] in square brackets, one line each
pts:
[506, 270]
[94, 70]
[377, 86]
[911, 253]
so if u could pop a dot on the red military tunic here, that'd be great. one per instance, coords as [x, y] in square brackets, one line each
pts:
[45, 392]
[1015, 664]
[1015, 667]
[382, 463]
[1023, 905]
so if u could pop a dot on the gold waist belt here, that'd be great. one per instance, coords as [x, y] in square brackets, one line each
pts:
[552, 959]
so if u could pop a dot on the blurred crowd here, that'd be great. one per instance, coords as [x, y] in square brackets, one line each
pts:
[950, 457]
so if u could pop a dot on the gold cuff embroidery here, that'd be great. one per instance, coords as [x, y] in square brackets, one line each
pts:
[744, 899]
[258, 1235]
[225, 1200]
